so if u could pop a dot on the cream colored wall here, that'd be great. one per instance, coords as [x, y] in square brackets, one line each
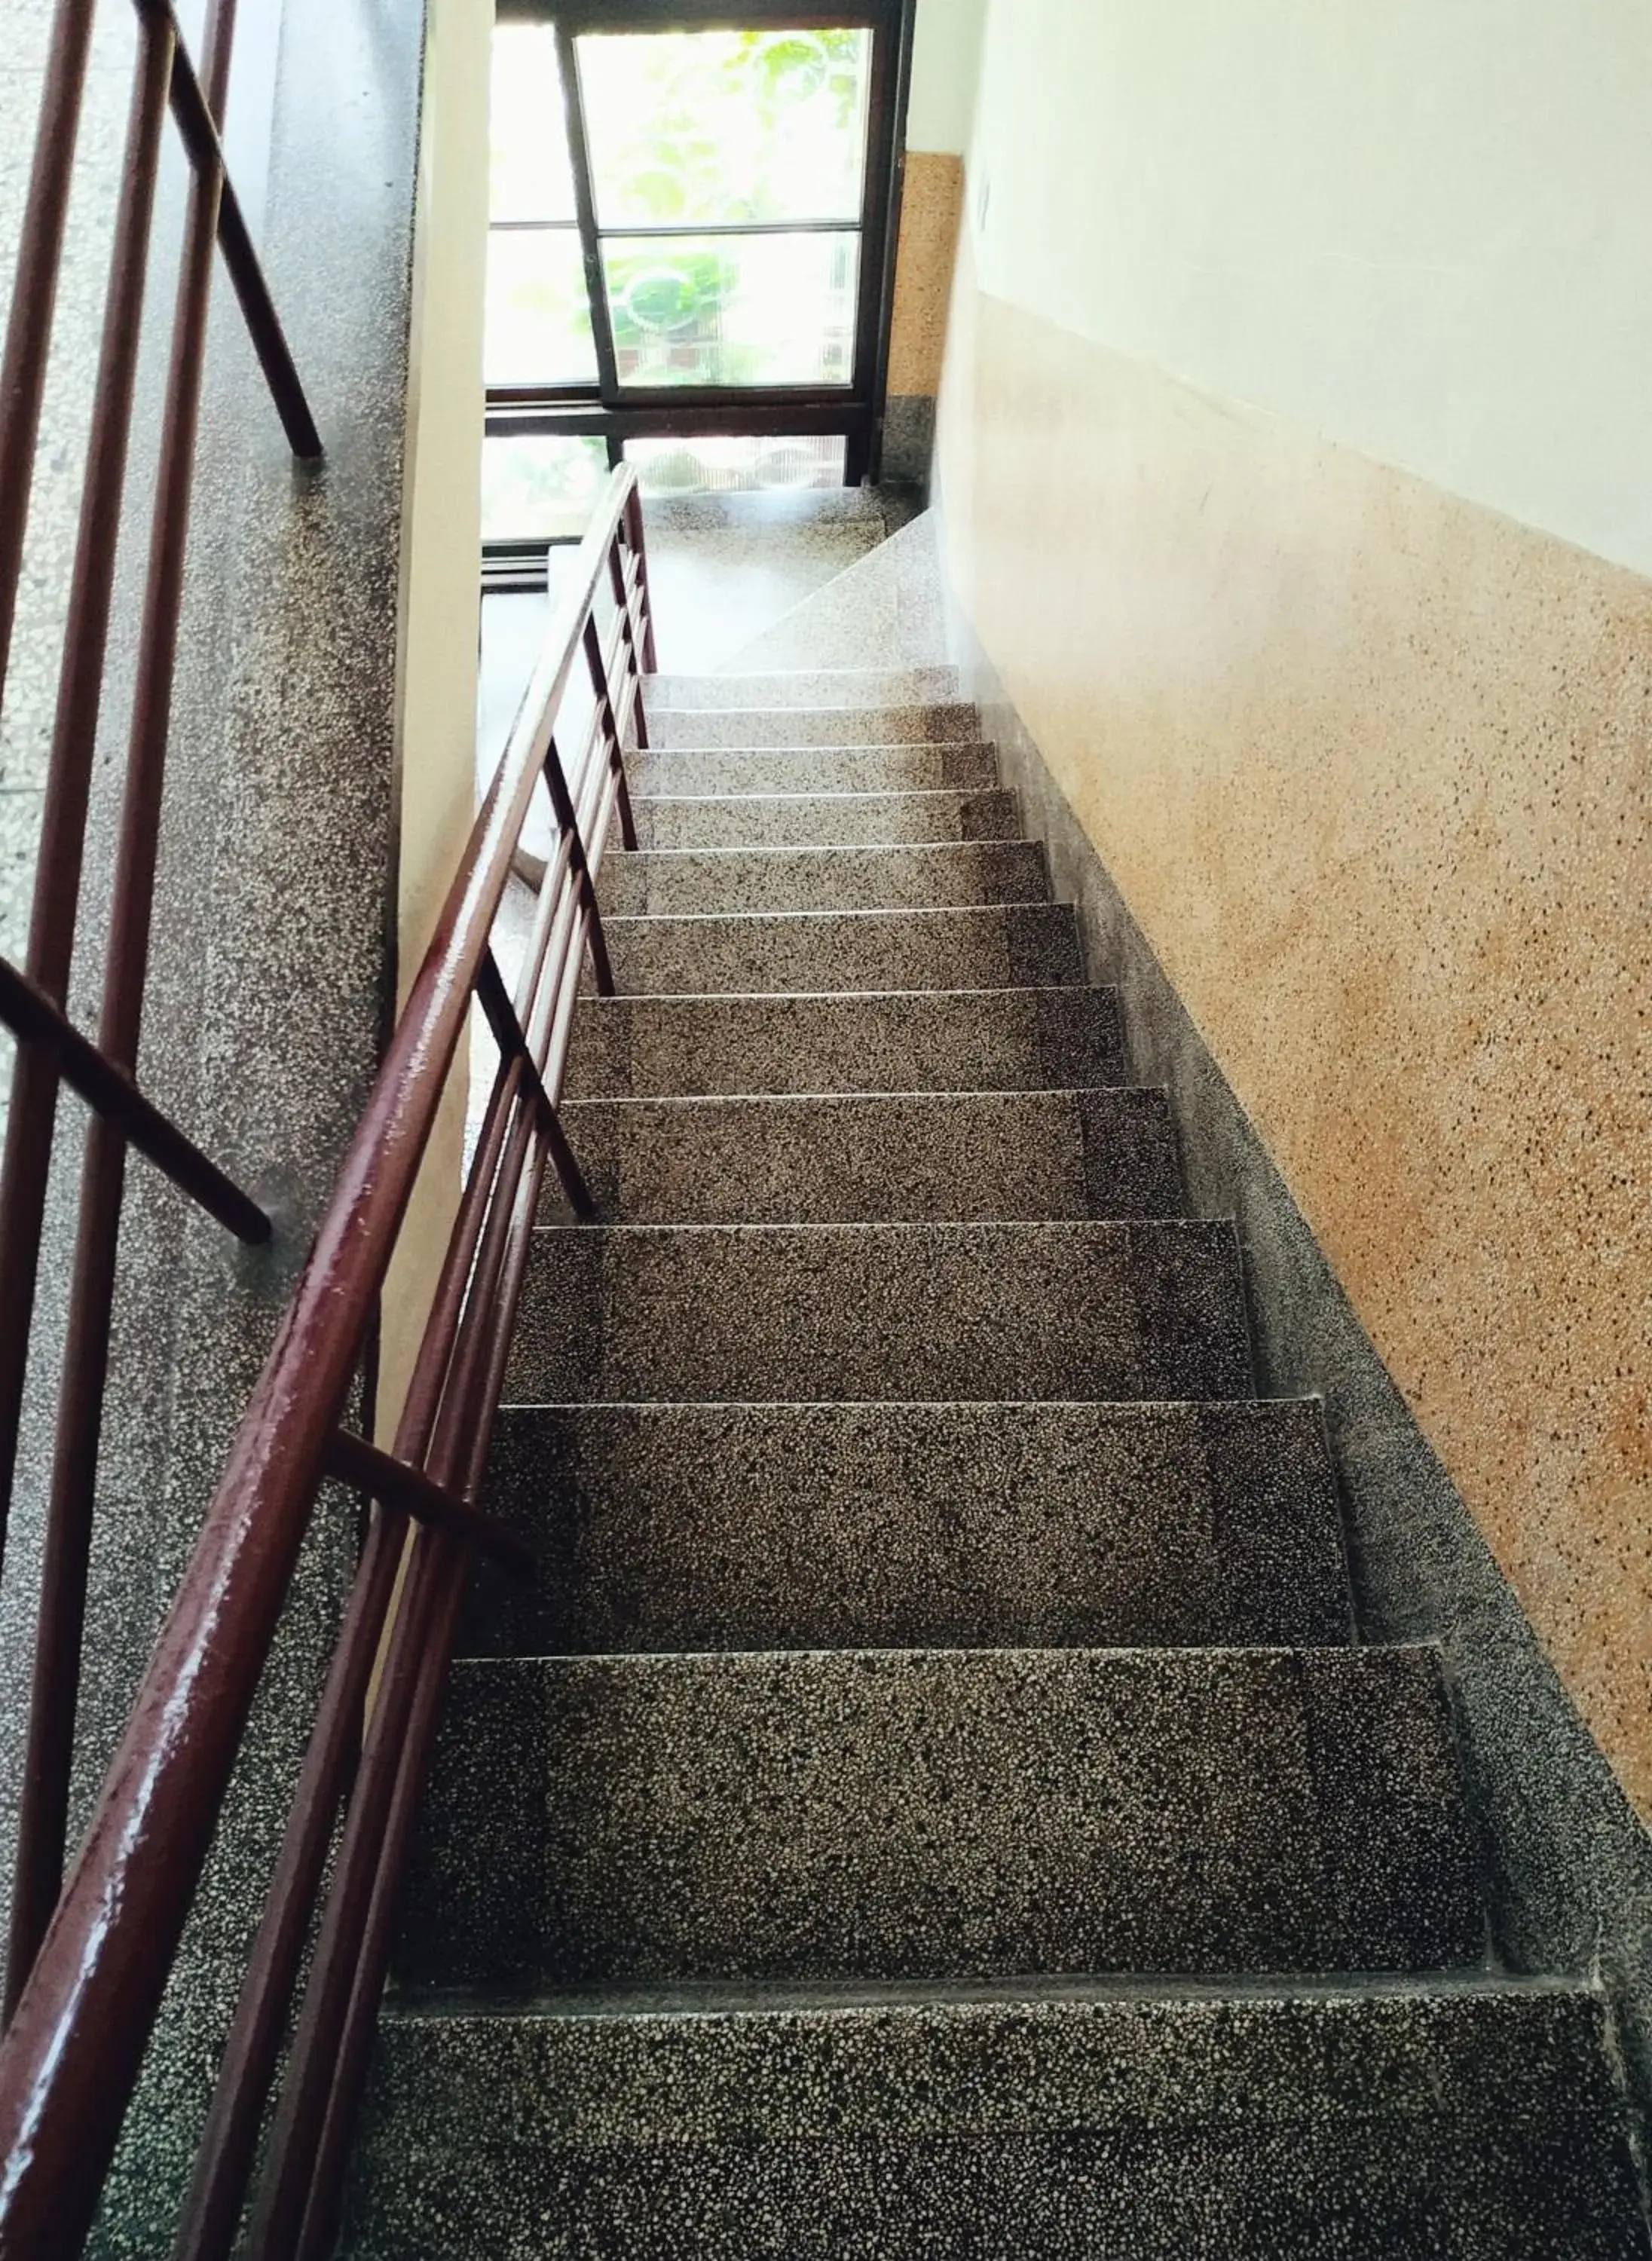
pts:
[441, 594]
[946, 64]
[1423, 228]
[1372, 765]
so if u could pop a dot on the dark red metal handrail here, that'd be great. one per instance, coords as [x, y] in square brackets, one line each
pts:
[70, 2057]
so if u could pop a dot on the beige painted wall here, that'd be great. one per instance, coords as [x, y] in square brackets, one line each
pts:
[1423, 228]
[1371, 766]
[441, 596]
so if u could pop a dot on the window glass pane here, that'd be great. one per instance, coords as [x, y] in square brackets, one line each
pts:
[536, 488]
[531, 178]
[733, 310]
[725, 126]
[728, 465]
[538, 316]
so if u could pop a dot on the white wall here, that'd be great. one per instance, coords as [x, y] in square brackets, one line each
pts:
[1423, 228]
[945, 62]
[440, 592]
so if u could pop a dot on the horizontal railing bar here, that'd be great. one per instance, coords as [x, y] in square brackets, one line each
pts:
[111, 1091]
[201, 139]
[353, 1460]
[507, 1029]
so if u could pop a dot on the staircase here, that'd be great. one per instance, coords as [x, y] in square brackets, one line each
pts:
[932, 1802]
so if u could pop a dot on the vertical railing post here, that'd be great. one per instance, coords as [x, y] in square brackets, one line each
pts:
[43, 1816]
[33, 1113]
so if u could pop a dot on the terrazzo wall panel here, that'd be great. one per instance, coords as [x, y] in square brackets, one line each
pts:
[1357, 778]
[931, 202]
[273, 963]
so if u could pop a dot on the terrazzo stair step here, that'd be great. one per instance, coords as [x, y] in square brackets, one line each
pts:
[815, 769]
[694, 1527]
[693, 882]
[936, 1814]
[931, 722]
[836, 687]
[1001, 947]
[822, 820]
[918, 1156]
[626, 1313]
[926, 1040]
[1467, 2122]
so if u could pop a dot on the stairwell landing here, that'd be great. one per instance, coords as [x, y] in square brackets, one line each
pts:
[933, 1800]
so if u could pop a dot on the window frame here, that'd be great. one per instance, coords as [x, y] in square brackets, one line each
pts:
[615, 412]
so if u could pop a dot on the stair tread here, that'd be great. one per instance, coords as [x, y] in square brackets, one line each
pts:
[726, 1045]
[745, 952]
[919, 816]
[927, 1811]
[918, 722]
[1085, 1309]
[817, 686]
[1469, 2119]
[689, 1998]
[918, 876]
[858, 1157]
[867, 1524]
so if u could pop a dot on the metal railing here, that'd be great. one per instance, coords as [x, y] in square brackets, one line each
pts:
[90, 1956]
[33, 1000]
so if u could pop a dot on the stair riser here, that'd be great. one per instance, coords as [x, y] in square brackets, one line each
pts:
[1025, 1040]
[859, 1526]
[1485, 2127]
[963, 1814]
[714, 882]
[901, 769]
[908, 686]
[975, 1312]
[950, 1157]
[1003, 948]
[803, 820]
[819, 725]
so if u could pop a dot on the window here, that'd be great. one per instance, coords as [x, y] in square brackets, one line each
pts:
[689, 250]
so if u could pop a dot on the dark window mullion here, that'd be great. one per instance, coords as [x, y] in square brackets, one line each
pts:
[586, 212]
[875, 214]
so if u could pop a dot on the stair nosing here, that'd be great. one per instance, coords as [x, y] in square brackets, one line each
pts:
[740, 1998]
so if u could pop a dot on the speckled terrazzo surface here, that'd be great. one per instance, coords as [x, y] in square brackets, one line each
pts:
[824, 1526]
[991, 1040]
[930, 1621]
[1000, 946]
[851, 1159]
[805, 820]
[883, 1311]
[944, 1813]
[695, 882]
[956, 767]
[1472, 2124]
